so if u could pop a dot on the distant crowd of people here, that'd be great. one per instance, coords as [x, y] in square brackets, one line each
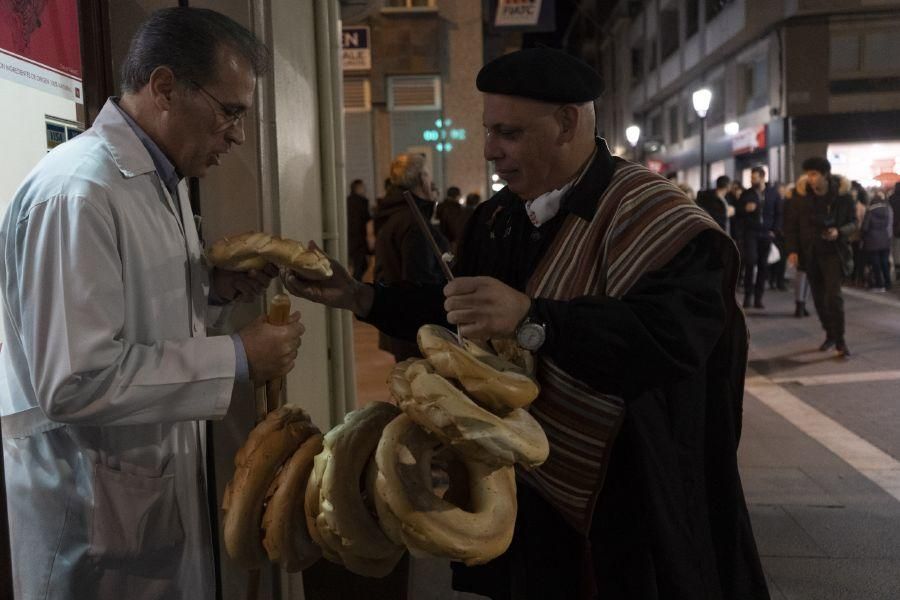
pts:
[386, 230]
[832, 230]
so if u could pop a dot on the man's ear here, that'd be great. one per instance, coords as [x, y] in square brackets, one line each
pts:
[567, 120]
[161, 87]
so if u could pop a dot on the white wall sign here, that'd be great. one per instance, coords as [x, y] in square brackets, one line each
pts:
[356, 49]
[39, 77]
[517, 12]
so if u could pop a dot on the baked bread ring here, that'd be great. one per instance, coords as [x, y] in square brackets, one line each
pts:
[344, 522]
[496, 384]
[432, 525]
[254, 249]
[268, 446]
[311, 505]
[445, 411]
[287, 540]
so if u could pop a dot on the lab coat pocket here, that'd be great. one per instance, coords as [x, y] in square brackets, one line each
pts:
[134, 516]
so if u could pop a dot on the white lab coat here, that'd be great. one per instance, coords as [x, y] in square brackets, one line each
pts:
[109, 371]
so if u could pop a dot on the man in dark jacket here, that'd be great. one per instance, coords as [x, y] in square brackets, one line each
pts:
[402, 254]
[623, 288]
[759, 215]
[818, 239]
[894, 202]
[357, 219]
[451, 216]
[715, 202]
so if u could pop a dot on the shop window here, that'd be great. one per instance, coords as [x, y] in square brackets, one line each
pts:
[637, 64]
[414, 93]
[881, 51]
[398, 5]
[691, 17]
[754, 77]
[691, 120]
[655, 125]
[673, 124]
[716, 112]
[843, 53]
[357, 95]
[714, 7]
[669, 33]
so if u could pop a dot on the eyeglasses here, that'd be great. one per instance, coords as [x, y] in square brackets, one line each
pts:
[233, 116]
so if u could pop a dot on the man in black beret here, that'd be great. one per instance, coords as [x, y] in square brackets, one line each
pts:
[623, 289]
[817, 239]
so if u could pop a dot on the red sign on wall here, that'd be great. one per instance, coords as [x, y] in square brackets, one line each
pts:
[43, 32]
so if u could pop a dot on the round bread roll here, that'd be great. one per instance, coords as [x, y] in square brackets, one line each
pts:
[432, 525]
[311, 506]
[497, 384]
[254, 249]
[268, 446]
[445, 411]
[344, 522]
[287, 540]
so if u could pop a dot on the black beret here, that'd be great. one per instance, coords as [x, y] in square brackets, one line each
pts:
[817, 163]
[540, 74]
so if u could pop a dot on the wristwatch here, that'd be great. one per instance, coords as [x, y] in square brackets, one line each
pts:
[531, 333]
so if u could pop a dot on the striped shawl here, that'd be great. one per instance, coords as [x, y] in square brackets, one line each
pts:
[642, 221]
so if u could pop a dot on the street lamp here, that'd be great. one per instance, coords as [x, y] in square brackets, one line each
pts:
[702, 98]
[633, 134]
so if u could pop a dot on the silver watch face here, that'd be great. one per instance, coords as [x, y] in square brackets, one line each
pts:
[530, 336]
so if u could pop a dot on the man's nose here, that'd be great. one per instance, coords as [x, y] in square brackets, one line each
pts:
[492, 149]
[235, 133]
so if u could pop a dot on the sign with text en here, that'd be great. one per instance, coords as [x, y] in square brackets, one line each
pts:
[356, 48]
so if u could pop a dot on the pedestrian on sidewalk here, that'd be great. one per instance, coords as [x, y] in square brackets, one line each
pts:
[759, 214]
[819, 242]
[801, 283]
[876, 228]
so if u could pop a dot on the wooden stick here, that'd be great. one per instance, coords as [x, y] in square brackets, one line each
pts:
[279, 312]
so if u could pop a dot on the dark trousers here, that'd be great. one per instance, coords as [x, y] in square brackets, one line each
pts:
[756, 263]
[881, 268]
[825, 272]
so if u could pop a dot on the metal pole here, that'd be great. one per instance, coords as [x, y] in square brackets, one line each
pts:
[703, 182]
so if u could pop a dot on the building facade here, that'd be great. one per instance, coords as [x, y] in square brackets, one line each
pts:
[789, 79]
[409, 96]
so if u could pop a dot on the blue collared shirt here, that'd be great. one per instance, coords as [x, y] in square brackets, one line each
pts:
[169, 176]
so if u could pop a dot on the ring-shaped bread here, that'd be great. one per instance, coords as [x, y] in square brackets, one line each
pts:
[254, 249]
[268, 446]
[430, 524]
[287, 540]
[441, 408]
[344, 521]
[495, 383]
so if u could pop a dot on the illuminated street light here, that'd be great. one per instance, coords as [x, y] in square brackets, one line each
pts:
[702, 98]
[732, 128]
[633, 134]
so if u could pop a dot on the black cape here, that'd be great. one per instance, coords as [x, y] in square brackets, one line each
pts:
[671, 522]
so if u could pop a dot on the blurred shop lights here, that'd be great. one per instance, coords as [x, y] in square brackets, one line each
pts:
[443, 135]
[732, 128]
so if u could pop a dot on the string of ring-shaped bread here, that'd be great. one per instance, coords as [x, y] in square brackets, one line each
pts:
[287, 540]
[497, 384]
[441, 408]
[343, 520]
[267, 447]
[430, 524]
